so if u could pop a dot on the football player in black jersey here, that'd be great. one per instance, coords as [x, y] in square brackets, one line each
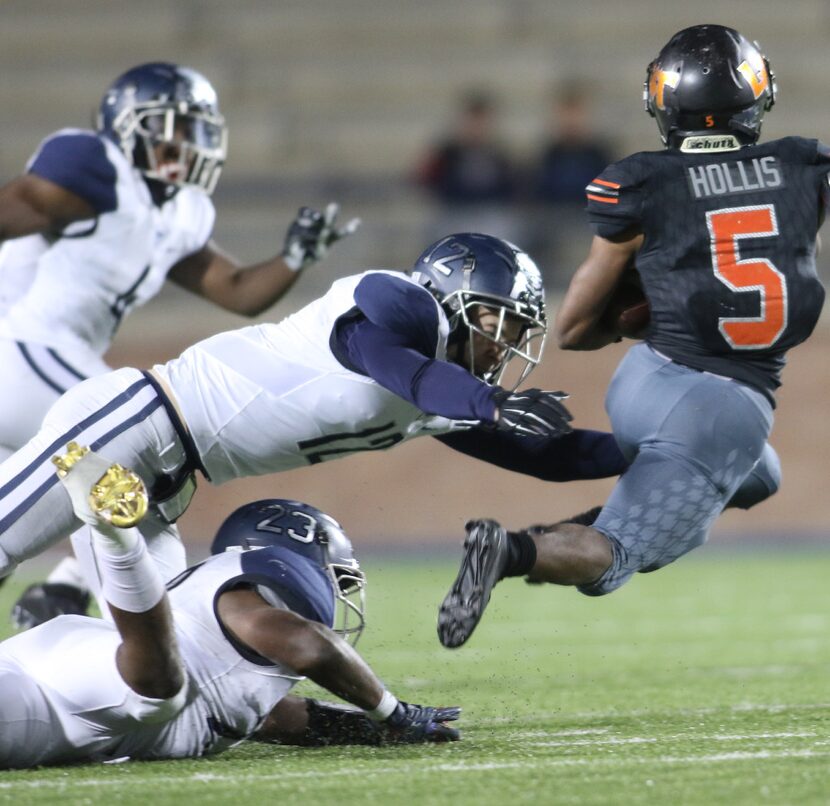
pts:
[723, 235]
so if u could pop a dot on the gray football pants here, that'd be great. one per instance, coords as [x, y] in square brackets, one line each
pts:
[693, 439]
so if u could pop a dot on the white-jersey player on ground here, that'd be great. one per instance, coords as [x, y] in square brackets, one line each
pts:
[94, 227]
[194, 671]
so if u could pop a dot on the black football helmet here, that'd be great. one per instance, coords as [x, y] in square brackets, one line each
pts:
[709, 82]
[165, 103]
[469, 269]
[307, 531]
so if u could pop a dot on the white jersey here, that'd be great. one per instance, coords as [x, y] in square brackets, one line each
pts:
[273, 397]
[71, 292]
[64, 672]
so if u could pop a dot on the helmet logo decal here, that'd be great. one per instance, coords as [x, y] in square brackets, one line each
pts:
[758, 80]
[441, 263]
[528, 281]
[657, 83]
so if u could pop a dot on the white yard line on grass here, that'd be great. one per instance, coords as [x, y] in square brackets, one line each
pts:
[422, 769]
[677, 737]
[742, 708]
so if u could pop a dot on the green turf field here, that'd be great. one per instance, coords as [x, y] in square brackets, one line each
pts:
[705, 683]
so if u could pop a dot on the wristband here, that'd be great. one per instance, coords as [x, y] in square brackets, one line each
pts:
[293, 262]
[388, 703]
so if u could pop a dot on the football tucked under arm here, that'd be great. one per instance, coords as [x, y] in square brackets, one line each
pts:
[627, 313]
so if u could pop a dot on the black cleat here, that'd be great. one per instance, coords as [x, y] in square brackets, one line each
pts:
[43, 601]
[485, 558]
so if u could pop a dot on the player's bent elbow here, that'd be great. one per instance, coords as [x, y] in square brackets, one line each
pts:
[569, 339]
[155, 710]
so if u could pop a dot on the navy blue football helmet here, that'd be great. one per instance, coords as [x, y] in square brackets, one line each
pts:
[161, 103]
[708, 89]
[468, 270]
[306, 531]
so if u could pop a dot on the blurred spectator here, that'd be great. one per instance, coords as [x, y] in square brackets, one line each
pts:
[470, 172]
[570, 157]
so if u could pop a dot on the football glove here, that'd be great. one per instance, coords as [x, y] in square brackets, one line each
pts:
[311, 234]
[413, 724]
[532, 412]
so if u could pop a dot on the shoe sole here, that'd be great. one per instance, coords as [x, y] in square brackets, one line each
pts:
[485, 549]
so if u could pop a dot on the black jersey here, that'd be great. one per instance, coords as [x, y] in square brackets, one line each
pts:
[728, 257]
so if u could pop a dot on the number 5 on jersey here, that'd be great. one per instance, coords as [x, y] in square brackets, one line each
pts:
[759, 275]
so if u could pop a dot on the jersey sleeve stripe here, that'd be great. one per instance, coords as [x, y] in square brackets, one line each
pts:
[602, 199]
[615, 185]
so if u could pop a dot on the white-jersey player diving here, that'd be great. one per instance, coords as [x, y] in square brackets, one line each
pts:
[382, 358]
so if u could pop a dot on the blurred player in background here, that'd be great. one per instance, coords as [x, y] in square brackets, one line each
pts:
[93, 228]
[195, 671]
[380, 359]
[723, 234]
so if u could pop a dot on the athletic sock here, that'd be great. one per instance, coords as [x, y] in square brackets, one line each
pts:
[521, 555]
[130, 580]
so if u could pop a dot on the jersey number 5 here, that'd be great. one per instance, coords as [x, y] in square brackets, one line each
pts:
[759, 275]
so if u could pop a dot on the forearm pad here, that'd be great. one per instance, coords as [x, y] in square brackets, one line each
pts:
[332, 724]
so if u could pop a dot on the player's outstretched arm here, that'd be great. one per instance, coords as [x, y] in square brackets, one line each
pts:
[250, 290]
[579, 454]
[316, 652]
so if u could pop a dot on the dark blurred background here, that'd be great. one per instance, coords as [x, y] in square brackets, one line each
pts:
[422, 117]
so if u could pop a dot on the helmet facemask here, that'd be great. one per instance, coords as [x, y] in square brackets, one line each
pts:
[349, 585]
[515, 327]
[197, 141]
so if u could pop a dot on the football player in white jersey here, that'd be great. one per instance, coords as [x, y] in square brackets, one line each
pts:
[381, 358]
[195, 670]
[97, 223]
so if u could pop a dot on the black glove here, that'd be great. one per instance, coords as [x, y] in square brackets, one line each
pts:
[532, 412]
[413, 724]
[311, 234]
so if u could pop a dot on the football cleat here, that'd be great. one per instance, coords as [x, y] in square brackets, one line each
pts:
[483, 564]
[43, 601]
[118, 496]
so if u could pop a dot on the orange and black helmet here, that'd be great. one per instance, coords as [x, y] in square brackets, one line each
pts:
[709, 80]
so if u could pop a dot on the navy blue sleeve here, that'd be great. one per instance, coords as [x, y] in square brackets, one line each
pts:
[580, 454]
[301, 584]
[435, 387]
[401, 307]
[79, 163]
